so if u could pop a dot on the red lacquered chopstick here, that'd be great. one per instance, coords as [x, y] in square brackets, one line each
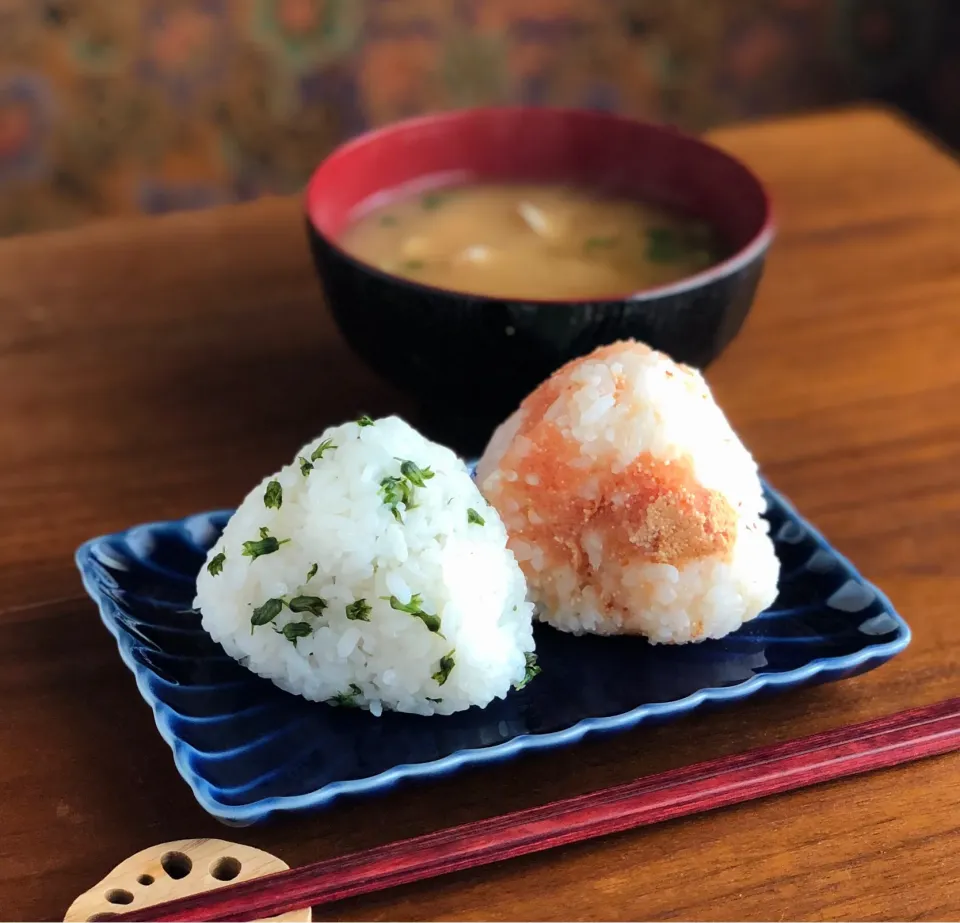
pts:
[878, 744]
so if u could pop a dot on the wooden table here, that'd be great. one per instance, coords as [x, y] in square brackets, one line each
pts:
[128, 358]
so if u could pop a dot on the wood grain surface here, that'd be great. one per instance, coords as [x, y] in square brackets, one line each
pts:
[153, 368]
[852, 749]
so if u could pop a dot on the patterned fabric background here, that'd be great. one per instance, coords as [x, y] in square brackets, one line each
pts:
[119, 106]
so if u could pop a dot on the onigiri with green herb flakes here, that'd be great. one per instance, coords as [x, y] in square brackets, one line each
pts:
[370, 572]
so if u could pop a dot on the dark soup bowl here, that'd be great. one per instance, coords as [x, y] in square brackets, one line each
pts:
[468, 359]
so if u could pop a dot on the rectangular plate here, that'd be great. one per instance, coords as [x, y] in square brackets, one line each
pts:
[249, 750]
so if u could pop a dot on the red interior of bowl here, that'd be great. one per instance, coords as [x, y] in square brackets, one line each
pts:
[593, 149]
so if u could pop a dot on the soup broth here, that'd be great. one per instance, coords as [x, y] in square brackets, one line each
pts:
[531, 241]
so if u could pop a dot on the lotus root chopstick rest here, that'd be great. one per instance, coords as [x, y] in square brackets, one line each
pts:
[177, 869]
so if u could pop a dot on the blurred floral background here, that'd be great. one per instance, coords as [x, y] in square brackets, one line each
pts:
[120, 106]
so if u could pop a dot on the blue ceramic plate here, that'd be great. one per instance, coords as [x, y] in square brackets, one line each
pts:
[249, 750]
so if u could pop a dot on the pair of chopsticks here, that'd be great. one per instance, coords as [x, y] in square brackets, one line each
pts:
[900, 738]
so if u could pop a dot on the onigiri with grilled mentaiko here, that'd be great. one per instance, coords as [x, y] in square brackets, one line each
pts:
[630, 502]
[371, 572]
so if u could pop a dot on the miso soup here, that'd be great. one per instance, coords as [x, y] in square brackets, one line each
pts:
[531, 241]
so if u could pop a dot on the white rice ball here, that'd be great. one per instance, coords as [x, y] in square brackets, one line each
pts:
[631, 504]
[370, 572]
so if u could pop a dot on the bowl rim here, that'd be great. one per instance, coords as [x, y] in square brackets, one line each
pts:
[733, 264]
